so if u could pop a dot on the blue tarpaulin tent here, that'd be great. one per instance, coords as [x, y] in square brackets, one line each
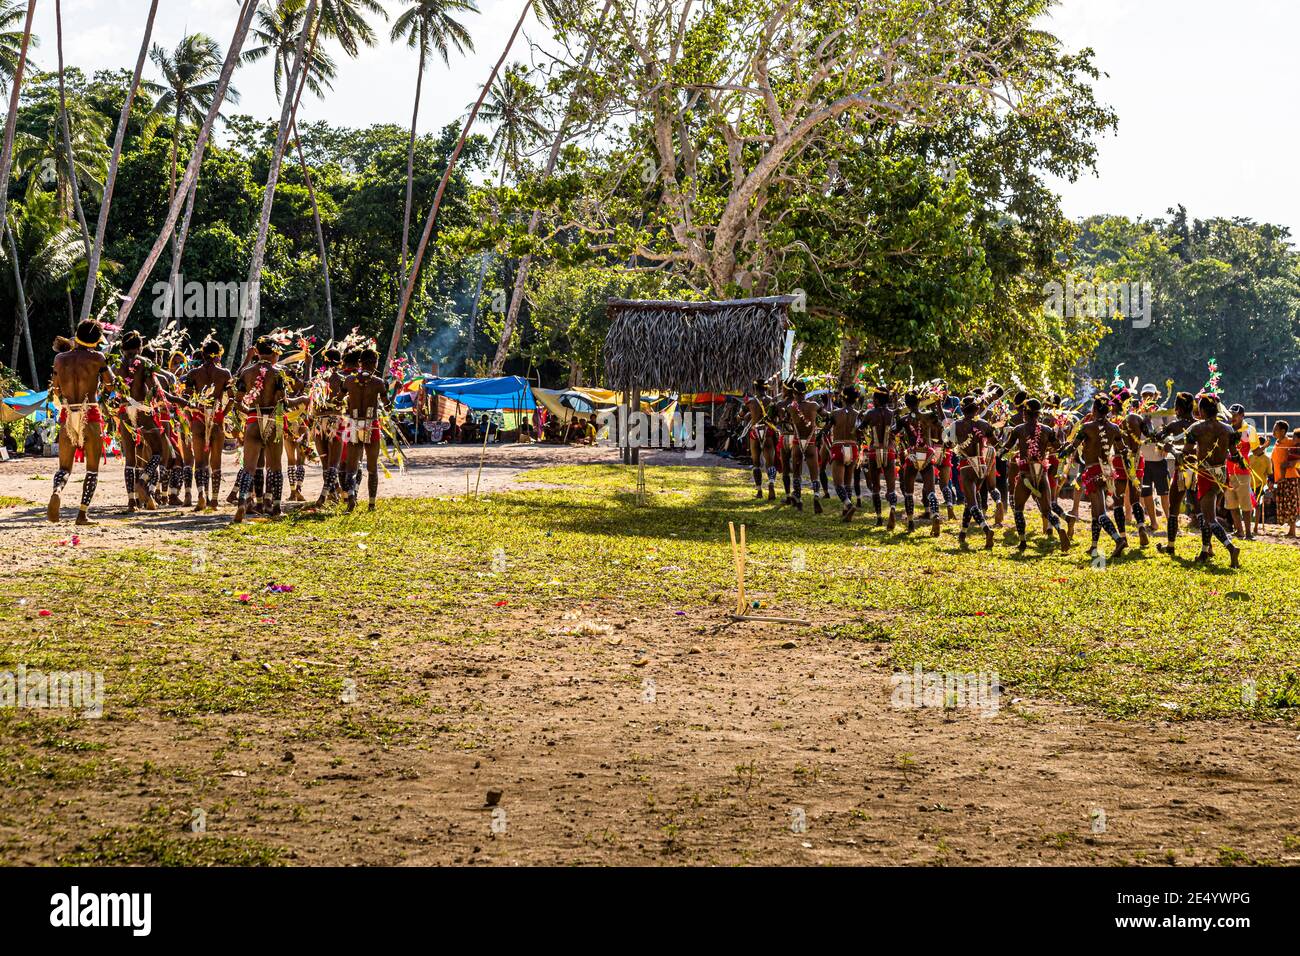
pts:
[34, 404]
[508, 393]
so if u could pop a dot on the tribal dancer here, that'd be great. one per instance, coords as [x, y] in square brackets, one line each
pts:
[164, 415]
[1172, 432]
[877, 426]
[262, 397]
[786, 437]
[362, 431]
[79, 375]
[976, 457]
[845, 450]
[1133, 430]
[297, 437]
[921, 434]
[1208, 447]
[802, 415]
[1036, 464]
[178, 366]
[328, 391]
[207, 387]
[1155, 468]
[141, 438]
[1099, 441]
[762, 440]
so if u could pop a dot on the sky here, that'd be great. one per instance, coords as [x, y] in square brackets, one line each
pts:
[1205, 90]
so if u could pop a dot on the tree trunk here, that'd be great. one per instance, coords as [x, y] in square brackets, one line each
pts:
[173, 306]
[191, 170]
[252, 302]
[410, 156]
[478, 291]
[320, 232]
[175, 280]
[850, 353]
[521, 278]
[442, 188]
[101, 225]
[67, 135]
[7, 148]
[22, 309]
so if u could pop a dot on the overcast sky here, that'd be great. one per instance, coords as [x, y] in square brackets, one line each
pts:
[1205, 90]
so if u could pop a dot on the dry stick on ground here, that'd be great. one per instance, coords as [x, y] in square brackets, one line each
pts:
[742, 612]
[101, 224]
[191, 170]
[409, 287]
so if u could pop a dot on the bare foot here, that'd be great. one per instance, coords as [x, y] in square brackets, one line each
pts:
[52, 511]
[239, 515]
[82, 520]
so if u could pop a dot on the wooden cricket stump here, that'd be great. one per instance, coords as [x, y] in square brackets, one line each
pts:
[742, 611]
[640, 484]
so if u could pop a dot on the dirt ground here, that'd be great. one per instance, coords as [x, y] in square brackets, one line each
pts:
[677, 738]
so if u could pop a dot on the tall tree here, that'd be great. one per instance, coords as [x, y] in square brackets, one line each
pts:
[7, 149]
[66, 128]
[514, 108]
[425, 25]
[409, 287]
[101, 226]
[191, 174]
[565, 21]
[190, 74]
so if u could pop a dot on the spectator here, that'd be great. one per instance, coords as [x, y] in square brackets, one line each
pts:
[35, 445]
[1260, 468]
[1237, 498]
[1286, 475]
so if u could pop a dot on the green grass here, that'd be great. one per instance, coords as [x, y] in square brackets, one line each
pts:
[1145, 637]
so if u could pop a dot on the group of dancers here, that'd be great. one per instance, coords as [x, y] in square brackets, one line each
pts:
[172, 409]
[999, 449]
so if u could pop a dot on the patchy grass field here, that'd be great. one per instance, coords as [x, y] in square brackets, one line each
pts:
[572, 650]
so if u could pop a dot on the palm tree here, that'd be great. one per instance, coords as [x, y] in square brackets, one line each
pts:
[277, 29]
[190, 177]
[13, 39]
[66, 147]
[423, 244]
[344, 21]
[513, 107]
[521, 270]
[425, 25]
[66, 128]
[189, 84]
[43, 251]
[101, 225]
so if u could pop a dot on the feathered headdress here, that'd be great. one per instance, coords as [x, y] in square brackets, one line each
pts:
[1214, 384]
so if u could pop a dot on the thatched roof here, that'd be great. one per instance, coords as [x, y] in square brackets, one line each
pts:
[694, 346]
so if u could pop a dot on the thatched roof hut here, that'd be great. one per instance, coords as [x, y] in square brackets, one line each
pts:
[694, 346]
